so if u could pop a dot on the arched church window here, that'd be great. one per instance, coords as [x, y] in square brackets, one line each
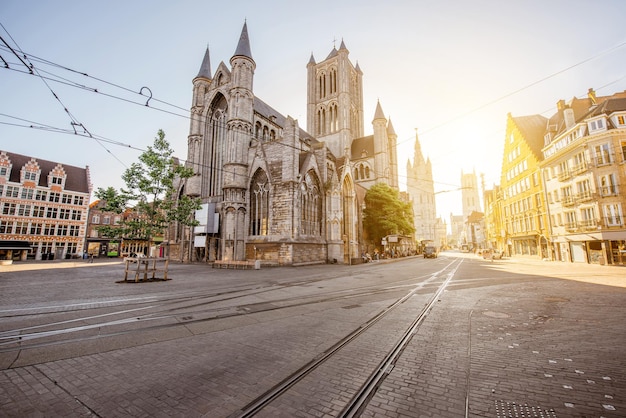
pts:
[265, 133]
[367, 172]
[333, 81]
[259, 204]
[257, 131]
[216, 139]
[356, 173]
[362, 171]
[310, 205]
[272, 135]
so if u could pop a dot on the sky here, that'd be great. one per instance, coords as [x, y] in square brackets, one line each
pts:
[449, 70]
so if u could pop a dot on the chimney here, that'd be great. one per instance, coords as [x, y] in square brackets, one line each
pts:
[568, 115]
[591, 94]
[560, 105]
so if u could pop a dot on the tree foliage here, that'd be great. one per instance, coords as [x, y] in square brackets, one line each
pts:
[149, 195]
[385, 213]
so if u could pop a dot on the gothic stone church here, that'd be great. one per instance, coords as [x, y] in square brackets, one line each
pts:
[272, 191]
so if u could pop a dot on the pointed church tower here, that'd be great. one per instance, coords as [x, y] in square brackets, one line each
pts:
[381, 147]
[201, 84]
[239, 132]
[393, 154]
[335, 100]
[421, 188]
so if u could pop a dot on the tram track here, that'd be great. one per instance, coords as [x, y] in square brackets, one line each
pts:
[159, 313]
[361, 396]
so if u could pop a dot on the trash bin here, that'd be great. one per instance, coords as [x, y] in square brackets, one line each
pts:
[257, 264]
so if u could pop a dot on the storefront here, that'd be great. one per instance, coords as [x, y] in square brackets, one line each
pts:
[13, 251]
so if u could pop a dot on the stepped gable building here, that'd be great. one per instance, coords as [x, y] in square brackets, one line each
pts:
[523, 207]
[272, 191]
[44, 204]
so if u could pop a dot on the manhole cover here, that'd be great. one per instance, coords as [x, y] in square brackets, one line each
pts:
[512, 409]
[493, 314]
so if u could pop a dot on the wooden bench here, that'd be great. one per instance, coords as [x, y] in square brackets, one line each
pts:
[145, 265]
[234, 264]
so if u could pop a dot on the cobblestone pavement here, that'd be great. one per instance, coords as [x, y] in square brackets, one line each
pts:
[517, 338]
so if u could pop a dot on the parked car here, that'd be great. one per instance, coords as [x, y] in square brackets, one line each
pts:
[430, 252]
[492, 254]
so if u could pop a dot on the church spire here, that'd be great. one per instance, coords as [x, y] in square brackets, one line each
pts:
[243, 47]
[205, 67]
[379, 112]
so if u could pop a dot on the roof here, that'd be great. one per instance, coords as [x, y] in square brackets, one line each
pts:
[77, 178]
[532, 128]
[243, 47]
[379, 112]
[205, 67]
[268, 111]
[359, 145]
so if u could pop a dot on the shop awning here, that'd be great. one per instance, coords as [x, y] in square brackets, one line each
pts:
[14, 245]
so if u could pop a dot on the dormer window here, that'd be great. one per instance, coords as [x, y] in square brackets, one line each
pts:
[597, 125]
[57, 180]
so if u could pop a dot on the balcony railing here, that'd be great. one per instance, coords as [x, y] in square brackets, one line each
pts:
[588, 224]
[580, 168]
[571, 226]
[568, 201]
[584, 196]
[608, 191]
[564, 175]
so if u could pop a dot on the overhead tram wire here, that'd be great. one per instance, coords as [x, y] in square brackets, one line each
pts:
[74, 122]
[519, 90]
[95, 90]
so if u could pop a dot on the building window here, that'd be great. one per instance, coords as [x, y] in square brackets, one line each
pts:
[65, 213]
[74, 230]
[23, 210]
[52, 213]
[95, 219]
[39, 211]
[4, 171]
[27, 193]
[613, 214]
[54, 197]
[57, 180]
[62, 230]
[35, 228]
[78, 200]
[21, 228]
[41, 195]
[608, 185]
[77, 215]
[106, 220]
[310, 205]
[66, 198]
[30, 176]
[603, 154]
[12, 191]
[9, 208]
[6, 227]
[259, 204]
[48, 229]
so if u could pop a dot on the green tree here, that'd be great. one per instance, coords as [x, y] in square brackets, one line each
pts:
[151, 194]
[385, 213]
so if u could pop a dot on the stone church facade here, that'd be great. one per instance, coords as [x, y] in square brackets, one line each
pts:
[272, 191]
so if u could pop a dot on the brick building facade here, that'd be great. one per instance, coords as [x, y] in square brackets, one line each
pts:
[43, 203]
